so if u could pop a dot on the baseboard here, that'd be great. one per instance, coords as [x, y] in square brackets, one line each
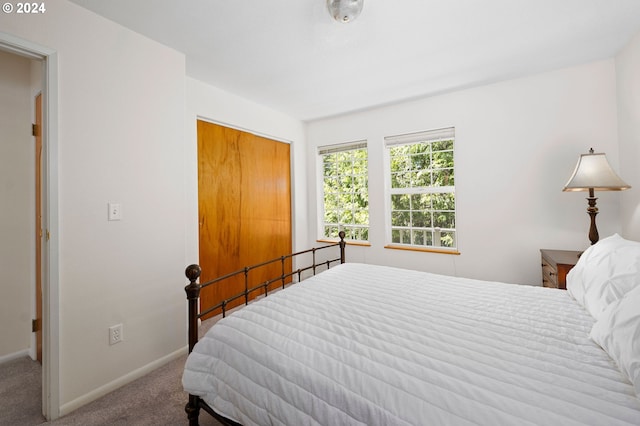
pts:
[15, 355]
[119, 382]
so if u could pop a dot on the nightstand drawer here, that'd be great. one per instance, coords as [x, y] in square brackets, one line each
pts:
[549, 275]
[556, 264]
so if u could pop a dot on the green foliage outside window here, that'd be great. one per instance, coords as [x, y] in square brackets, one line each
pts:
[346, 194]
[423, 194]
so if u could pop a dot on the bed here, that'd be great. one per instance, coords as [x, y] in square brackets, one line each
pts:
[363, 344]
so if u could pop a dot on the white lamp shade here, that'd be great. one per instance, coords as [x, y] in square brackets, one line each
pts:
[593, 171]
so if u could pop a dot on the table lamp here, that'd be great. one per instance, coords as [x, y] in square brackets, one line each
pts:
[593, 173]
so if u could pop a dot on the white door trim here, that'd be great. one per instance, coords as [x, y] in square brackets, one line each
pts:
[50, 248]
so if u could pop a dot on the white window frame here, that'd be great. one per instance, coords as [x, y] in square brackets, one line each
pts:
[430, 136]
[330, 149]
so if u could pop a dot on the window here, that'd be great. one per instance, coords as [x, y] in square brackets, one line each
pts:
[421, 195]
[345, 192]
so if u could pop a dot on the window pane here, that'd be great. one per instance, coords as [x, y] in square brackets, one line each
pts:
[346, 217]
[394, 180]
[330, 184]
[420, 201]
[331, 216]
[360, 183]
[400, 202]
[423, 178]
[444, 201]
[401, 180]
[361, 199]
[329, 165]
[344, 156]
[442, 159]
[331, 231]
[331, 200]
[413, 179]
[346, 183]
[445, 220]
[419, 219]
[360, 165]
[400, 150]
[419, 238]
[346, 199]
[400, 218]
[442, 145]
[447, 239]
[348, 234]
[420, 161]
[400, 164]
[361, 217]
[418, 148]
[429, 238]
[443, 177]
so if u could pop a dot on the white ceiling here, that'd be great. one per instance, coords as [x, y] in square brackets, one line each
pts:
[291, 56]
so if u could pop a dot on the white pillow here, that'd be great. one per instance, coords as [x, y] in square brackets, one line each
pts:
[604, 273]
[576, 281]
[618, 333]
[575, 278]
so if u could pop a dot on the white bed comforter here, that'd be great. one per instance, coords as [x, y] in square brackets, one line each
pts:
[370, 345]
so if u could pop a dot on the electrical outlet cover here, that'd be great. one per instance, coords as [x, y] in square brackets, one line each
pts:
[115, 334]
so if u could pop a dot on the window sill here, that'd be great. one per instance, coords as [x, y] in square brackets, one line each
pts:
[423, 249]
[349, 243]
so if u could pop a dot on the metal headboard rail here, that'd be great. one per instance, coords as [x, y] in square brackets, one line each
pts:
[193, 288]
[264, 285]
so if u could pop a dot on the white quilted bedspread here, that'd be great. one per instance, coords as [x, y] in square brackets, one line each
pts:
[370, 345]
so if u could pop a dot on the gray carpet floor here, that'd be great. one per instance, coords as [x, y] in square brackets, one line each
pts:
[20, 392]
[156, 399]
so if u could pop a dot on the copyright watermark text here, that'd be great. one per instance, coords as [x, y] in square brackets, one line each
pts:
[33, 8]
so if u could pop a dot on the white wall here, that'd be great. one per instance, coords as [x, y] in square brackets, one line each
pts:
[209, 103]
[628, 79]
[517, 143]
[16, 198]
[121, 139]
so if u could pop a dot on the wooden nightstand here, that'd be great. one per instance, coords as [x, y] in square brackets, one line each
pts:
[555, 266]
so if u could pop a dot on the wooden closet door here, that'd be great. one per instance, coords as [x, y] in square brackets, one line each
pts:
[244, 206]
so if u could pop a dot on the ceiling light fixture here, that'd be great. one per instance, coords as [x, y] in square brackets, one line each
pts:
[345, 11]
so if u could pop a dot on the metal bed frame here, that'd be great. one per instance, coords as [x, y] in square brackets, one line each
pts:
[193, 294]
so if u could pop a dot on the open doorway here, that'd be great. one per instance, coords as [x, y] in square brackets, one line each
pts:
[29, 76]
[20, 182]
